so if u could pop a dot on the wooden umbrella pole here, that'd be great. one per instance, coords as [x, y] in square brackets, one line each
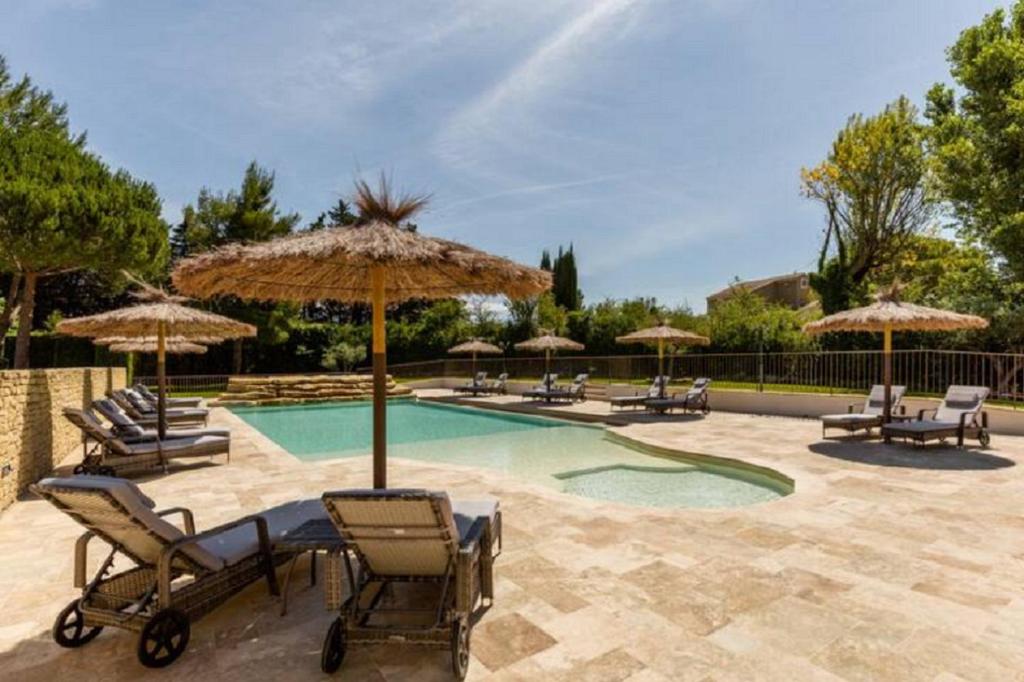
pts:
[161, 380]
[661, 368]
[380, 370]
[474, 365]
[887, 372]
[547, 369]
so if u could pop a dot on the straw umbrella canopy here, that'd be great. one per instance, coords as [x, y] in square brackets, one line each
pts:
[548, 343]
[474, 347]
[376, 261]
[659, 336]
[158, 315]
[888, 314]
[170, 347]
[152, 340]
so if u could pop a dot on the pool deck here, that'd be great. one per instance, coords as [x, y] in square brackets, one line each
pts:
[887, 563]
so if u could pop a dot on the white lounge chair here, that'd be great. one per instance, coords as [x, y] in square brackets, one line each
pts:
[639, 399]
[960, 414]
[871, 412]
[694, 400]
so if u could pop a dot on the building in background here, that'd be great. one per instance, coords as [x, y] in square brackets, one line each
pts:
[792, 290]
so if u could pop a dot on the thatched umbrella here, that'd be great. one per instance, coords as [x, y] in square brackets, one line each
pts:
[659, 336]
[376, 261]
[888, 314]
[151, 340]
[548, 343]
[144, 346]
[474, 347]
[158, 315]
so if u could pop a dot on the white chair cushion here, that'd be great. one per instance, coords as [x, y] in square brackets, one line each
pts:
[240, 543]
[466, 512]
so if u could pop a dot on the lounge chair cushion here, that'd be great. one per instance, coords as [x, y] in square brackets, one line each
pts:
[855, 418]
[466, 512]
[240, 543]
[129, 521]
[918, 427]
[171, 446]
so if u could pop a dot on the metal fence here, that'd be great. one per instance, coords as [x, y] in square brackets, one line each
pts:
[926, 372]
[190, 383]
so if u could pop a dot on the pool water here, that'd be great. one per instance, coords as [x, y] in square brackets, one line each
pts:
[570, 457]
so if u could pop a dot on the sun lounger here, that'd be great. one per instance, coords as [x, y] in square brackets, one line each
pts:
[694, 400]
[157, 578]
[110, 455]
[144, 391]
[129, 430]
[477, 383]
[870, 415]
[639, 399]
[145, 413]
[960, 414]
[541, 389]
[576, 391]
[403, 541]
[497, 387]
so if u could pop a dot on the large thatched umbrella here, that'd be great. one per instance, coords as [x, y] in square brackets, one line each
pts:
[170, 340]
[158, 315]
[377, 261]
[474, 347]
[888, 314]
[659, 336]
[548, 343]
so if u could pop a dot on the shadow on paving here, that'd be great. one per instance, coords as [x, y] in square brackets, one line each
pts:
[941, 457]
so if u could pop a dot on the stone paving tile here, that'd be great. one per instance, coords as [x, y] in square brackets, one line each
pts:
[885, 564]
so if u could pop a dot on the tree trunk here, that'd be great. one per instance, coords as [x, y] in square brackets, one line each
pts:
[7, 314]
[28, 304]
[236, 364]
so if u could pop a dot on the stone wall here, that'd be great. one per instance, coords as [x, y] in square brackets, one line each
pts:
[302, 388]
[34, 435]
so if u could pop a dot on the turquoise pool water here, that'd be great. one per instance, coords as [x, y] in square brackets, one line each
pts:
[570, 457]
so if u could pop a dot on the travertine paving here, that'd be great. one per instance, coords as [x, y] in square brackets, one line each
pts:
[886, 564]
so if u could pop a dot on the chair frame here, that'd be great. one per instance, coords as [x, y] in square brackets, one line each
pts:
[468, 579]
[144, 598]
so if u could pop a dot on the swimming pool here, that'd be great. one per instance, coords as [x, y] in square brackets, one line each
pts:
[570, 457]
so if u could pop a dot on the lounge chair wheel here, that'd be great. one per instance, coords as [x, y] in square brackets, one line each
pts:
[333, 652]
[70, 630]
[984, 438]
[460, 648]
[78, 470]
[163, 638]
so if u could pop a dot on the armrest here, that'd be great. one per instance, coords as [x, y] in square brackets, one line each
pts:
[166, 561]
[973, 417]
[81, 548]
[921, 413]
[189, 520]
[850, 408]
[467, 560]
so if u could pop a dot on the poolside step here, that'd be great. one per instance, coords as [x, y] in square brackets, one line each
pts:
[289, 389]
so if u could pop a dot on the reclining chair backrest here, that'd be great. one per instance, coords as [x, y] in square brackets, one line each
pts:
[117, 511]
[960, 400]
[502, 379]
[142, 405]
[480, 378]
[655, 390]
[700, 387]
[123, 424]
[549, 380]
[875, 402]
[89, 424]
[144, 391]
[397, 532]
[579, 383]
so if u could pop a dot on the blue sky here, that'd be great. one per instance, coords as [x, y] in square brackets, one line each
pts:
[663, 138]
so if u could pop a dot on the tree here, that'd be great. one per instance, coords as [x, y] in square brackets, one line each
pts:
[977, 139]
[565, 285]
[545, 260]
[339, 214]
[745, 320]
[249, 214]
[343, 356]
[62, 209]
[872, 186]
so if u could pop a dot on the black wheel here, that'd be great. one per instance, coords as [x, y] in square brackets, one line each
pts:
[70, 630]
[460, 648]
[78, 470]
[984, 438]
[333, 652]
[163, 638]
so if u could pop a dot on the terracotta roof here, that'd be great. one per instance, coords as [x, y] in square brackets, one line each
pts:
[754, 284]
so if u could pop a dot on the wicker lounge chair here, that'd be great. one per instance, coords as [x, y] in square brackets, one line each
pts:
[400, 537]
[694, 400]
[144, 391]
[575, 391]
[870, 415]
[173, 577]
[145, 413]
[639, 399]
[130, 431]
[476, 383]
[542, 389]
[960, 414]
[107, 454]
